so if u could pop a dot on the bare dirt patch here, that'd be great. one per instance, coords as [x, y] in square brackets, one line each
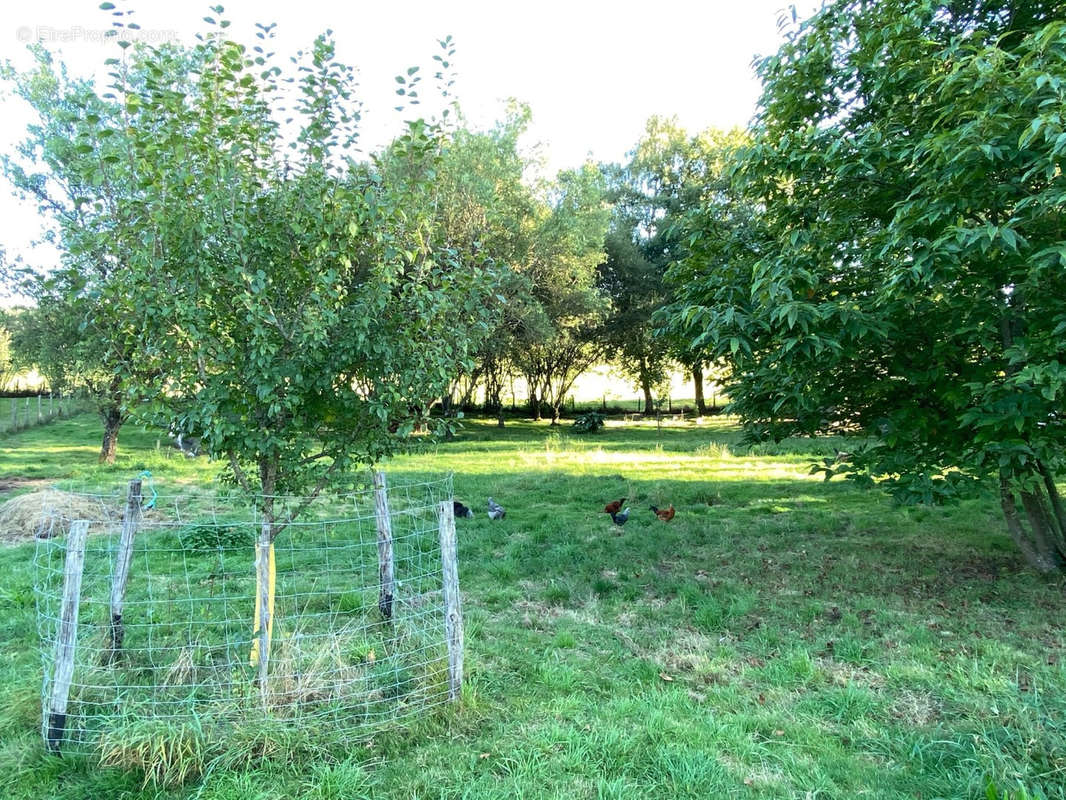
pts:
[8, 485]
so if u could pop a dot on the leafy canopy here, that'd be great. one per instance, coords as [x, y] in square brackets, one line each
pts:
[901, 274]
[297, 307]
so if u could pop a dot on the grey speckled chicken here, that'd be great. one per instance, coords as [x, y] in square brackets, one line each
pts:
[496, 510]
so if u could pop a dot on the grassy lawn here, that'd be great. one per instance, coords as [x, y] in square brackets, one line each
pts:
[781, 637]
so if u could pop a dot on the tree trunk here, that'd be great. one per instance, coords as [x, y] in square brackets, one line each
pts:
[1057, 511]
[495, 380]
[697, 379]
[112, 422]
[534, 402]
[556, 412]
[649, 401]
[543, 397]
[645, 387]
[1036, 543]
[1045, 531]
[1044, 544]
[448, 410]
[467, 397]
[493, 390]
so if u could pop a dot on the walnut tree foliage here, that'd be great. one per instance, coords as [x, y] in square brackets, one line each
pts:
[902, 273]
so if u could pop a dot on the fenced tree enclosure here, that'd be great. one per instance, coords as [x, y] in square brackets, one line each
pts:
[148, 619]
[288, 304]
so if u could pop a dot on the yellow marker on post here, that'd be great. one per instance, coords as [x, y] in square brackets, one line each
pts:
[253, 660]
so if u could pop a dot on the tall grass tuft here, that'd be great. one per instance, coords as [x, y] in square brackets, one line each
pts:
[167, 753]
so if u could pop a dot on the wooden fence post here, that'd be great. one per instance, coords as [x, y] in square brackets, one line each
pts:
[386, 564]
[453, 609]
[67, 635]
[130, 522]
[38, 409]
[264, 608]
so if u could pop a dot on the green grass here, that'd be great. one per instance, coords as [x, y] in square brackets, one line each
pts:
[68, 449]
[25, 411]
[781, 637]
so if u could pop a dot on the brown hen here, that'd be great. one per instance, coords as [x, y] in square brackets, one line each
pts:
[665, 514]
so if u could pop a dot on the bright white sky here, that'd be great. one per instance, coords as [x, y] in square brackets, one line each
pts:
[592, 71]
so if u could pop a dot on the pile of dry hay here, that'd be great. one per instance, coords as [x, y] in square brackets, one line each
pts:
[24, 517]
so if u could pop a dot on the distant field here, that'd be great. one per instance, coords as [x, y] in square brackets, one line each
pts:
[605, 383]
[782, 637]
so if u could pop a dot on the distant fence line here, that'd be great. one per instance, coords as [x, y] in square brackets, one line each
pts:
[20, 413]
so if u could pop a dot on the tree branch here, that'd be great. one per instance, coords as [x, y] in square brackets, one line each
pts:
[307, 500]
[238, 473]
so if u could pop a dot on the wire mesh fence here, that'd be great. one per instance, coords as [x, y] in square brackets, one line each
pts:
[21, 413]
[182, 646]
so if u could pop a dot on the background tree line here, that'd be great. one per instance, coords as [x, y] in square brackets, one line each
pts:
[579, 259]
